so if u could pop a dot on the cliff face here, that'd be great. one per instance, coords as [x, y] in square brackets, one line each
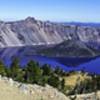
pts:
[35, 32]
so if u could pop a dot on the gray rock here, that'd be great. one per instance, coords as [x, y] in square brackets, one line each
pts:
[33, 32]
[24, 88]
[11, 82]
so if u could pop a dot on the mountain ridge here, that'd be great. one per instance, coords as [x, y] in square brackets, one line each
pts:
[35, 32]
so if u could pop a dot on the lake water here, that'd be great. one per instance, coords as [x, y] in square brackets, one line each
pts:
[25, 54]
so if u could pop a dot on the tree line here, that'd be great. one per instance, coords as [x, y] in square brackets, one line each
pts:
[33, 73]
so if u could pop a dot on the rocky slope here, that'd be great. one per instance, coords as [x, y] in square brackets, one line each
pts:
[11, 90]
[35, 32]
[88, 96]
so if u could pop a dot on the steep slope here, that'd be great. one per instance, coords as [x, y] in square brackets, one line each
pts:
[34, 32]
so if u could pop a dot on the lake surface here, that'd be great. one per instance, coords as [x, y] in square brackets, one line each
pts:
[25, 54]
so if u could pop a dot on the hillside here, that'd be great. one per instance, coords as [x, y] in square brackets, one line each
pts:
[11, 90]
[35, 32]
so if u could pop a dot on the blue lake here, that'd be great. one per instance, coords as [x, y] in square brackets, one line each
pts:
[25, 54]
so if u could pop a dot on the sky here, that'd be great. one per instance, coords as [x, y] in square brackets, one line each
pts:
[53, 10]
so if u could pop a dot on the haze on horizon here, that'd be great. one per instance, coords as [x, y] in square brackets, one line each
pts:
[53, 10]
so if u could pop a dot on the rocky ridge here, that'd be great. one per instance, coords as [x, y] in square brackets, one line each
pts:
[35, 32]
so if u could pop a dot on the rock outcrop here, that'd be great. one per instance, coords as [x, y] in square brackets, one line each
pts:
[12, 90]
[34, 32]
[88, 96]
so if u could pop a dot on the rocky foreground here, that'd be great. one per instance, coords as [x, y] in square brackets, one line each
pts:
[11, 90]
[89, 96]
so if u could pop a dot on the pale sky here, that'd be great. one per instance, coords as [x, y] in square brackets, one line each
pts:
[53, 10]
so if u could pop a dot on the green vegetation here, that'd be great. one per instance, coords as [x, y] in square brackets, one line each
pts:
[70, 83]
[32, 73]
[2, 69]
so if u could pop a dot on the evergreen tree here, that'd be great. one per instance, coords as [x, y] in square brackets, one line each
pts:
[46, 69]
[54, 81]
[63, 84]
[2, 68]
[8, 72]
[15, 68]
[33, 72]
[59, 71]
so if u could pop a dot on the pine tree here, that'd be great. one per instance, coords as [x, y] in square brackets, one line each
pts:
[33, 72]
[2, 68]
[46, 70]
[63, 84]
[15, 68]
[59, 71]
[54, 81]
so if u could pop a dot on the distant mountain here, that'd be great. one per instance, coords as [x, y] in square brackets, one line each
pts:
[35, 32]
[82, 24]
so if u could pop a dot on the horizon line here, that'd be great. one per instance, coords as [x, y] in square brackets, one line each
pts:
[50, 20]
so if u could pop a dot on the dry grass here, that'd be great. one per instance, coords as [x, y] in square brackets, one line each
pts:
[75, 78]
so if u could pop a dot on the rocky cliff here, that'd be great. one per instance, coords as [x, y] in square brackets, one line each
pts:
[34, 32]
